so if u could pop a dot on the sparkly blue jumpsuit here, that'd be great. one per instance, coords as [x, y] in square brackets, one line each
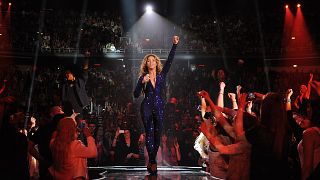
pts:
[152, 107]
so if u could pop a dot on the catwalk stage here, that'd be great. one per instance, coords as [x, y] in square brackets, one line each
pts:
[139, 172]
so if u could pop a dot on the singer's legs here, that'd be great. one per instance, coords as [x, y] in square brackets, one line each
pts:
[149, 129]
[153, 125]
[158, 126]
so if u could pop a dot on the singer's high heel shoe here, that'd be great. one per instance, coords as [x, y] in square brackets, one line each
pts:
[154, 169]
[149, 168]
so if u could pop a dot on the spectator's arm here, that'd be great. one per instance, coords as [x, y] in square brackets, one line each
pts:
[220, 99]
[307, 95]
[295, 103]
[239, 118]
[259, 95]
[232, 97]
[316, 86]
[32, 150]
[177, 149]
[203, 107]
[3, 86]
[222, 121]
[236, 148]
[85, 152]
[288, 99]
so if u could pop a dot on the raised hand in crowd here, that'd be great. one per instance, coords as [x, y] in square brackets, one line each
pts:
[259, 96]
[7, 99]
[238, 89]
[222, 86]
[232, 97]
[86, 131]
[242, 101]
[3, 86]
[289, 94]
[316, 86]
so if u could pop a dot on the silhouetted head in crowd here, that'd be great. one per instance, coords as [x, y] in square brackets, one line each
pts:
[273, 116]
[303, 89]
[67, 108]
[55, 110]
[71, 72]
[220, 75]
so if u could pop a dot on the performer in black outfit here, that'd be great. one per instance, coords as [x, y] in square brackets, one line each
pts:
[73, 90]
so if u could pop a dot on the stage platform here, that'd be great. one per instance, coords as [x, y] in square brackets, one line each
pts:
[140, 172]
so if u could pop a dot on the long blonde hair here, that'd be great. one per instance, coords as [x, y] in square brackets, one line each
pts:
[144, 67]
[65, 134]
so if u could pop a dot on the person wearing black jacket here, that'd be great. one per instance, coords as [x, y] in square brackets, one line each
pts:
[73, 90]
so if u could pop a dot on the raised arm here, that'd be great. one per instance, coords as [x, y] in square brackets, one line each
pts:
[307, 95]
[239, 118]
[316, 86]
[3, 86]
[236, 148]
[89, 151]
[220, 99]
[167, 65]
[232, 97]
[222, 121]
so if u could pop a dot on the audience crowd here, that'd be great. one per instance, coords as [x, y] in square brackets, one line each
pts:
[113, 115]
[205, 104]
[234, 34]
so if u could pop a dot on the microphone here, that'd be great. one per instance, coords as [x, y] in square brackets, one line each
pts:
[145, 84]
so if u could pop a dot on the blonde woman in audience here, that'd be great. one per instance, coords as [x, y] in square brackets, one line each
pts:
[69, 154]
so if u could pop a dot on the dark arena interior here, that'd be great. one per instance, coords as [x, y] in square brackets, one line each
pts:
[160, 89]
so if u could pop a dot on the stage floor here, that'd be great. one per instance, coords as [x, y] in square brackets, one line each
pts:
[140, 172]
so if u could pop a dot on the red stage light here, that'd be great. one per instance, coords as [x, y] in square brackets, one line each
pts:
[9, 4]
[298, 5]
[287, 6]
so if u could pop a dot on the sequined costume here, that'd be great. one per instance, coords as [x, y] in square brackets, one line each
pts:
[152, 107]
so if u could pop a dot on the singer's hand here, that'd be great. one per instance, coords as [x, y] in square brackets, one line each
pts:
[175, 39]
[146, 78]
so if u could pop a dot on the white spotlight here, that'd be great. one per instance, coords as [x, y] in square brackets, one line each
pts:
[149, 9]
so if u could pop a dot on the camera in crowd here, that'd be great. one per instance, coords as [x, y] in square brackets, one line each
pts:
[251, 96]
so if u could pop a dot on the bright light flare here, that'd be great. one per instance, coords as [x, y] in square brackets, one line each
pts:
[149, 9]
[298, 5]
[287, 6]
